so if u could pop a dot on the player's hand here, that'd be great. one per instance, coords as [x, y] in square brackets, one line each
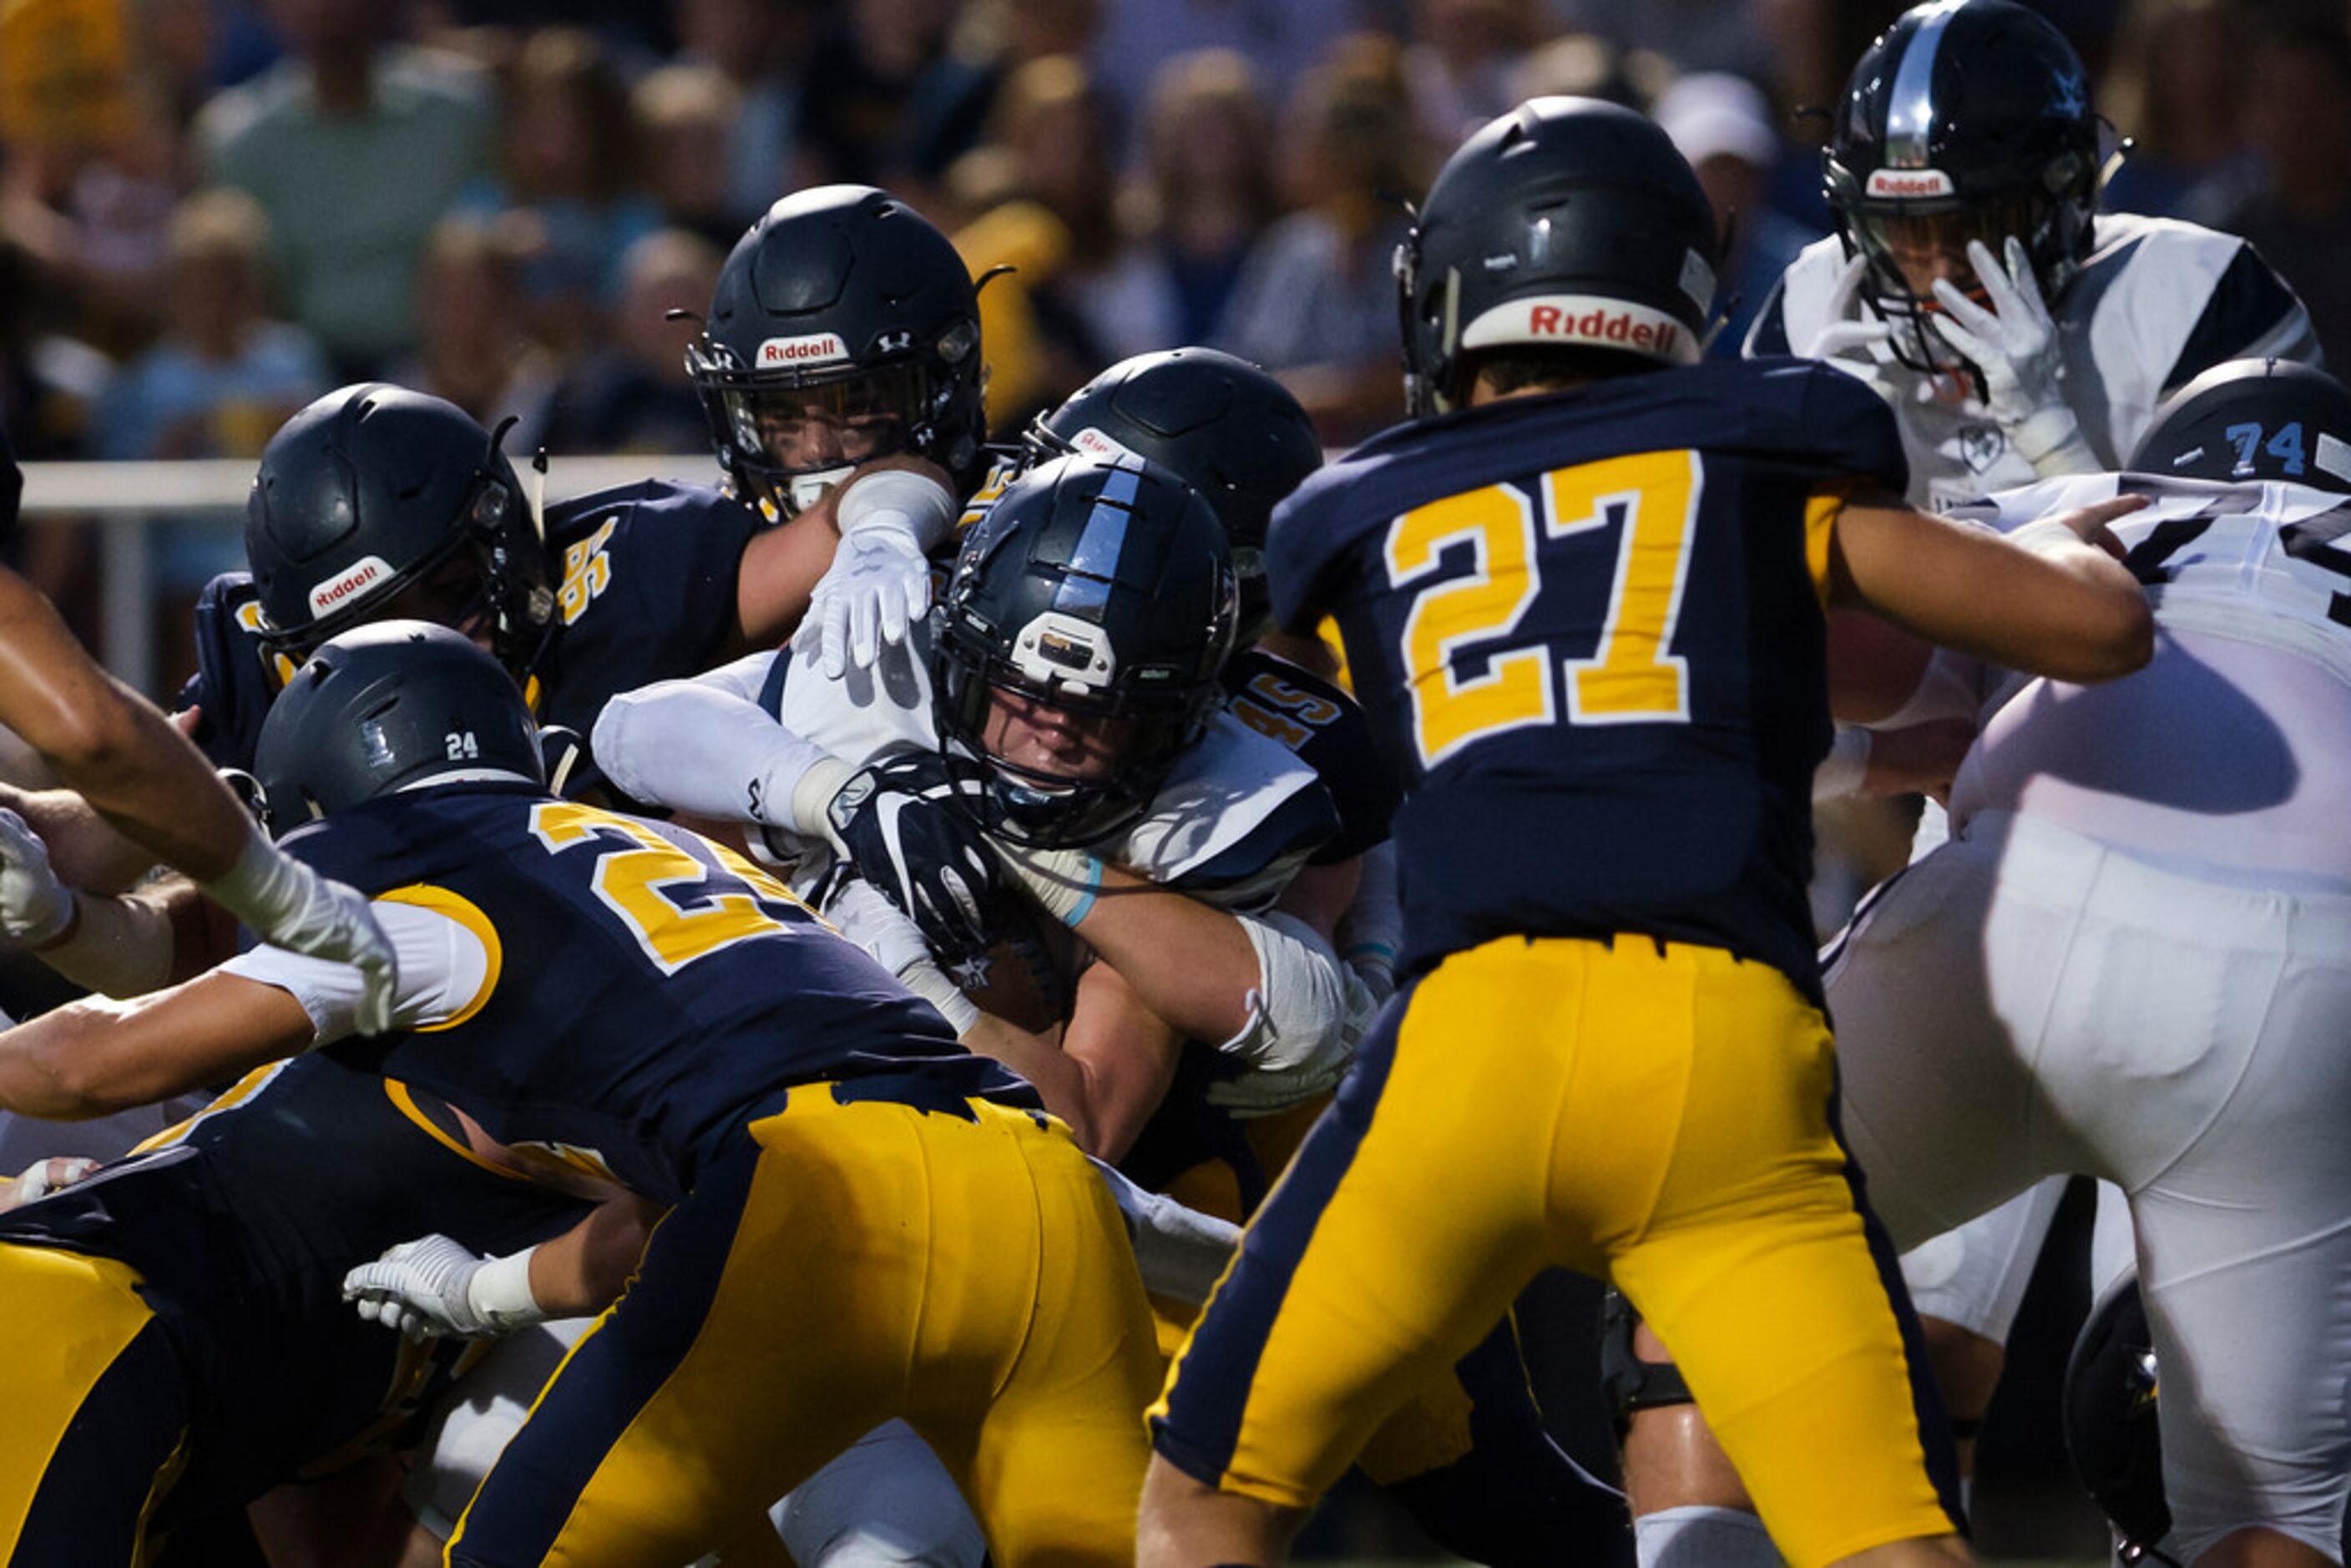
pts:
[420, 1288]
[859, 912]
[1263, 1091]
[434, 1285]
[36, 908]
[2089, 524]
[287, 902]
[43, 1178]
[880, 580]
[907, 824]
[2015, 348]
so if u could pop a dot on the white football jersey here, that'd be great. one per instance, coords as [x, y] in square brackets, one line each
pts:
[2230, 753]
[2157, 302]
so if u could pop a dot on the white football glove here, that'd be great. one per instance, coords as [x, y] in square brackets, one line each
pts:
[880, 580]
[858, 910]
[1265, 1091]
[43, 1178]
[1063, 882]
[287, 902]
[35, 907]
[434, 1286]
[2015, 348]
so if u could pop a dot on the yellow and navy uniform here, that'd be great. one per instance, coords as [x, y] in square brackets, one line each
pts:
[645, 576]
[869, 1222]
[1600, 670]
[196, 1347]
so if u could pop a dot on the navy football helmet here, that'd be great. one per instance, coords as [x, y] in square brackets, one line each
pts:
[2254, 419]
[376, 501]
[1566, 224]
[844, 328]
[1965, 119]
[383, 707]
[1225, 427]
[1102, 591]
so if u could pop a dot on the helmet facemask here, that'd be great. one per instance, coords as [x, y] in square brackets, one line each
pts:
[791, 435]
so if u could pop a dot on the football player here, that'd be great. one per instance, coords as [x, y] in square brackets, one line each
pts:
[2016, 332]
[193, 1348]
[638, 1002]
[1602, 670]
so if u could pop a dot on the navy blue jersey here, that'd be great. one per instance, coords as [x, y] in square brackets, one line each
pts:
[1330, 732]
[1588, 631]
[646, 592]
[241, 1226]
[649, 992]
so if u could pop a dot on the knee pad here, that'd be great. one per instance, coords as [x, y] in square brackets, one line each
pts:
[1633, 1384]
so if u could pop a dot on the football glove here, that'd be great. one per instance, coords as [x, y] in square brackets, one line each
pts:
[35, 907]
[880, 580]
[287, 902]
[433, 1286]
[908, 825]
[2018, 358]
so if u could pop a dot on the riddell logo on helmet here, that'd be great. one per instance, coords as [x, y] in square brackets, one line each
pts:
[1900, 183]
[1604, 327]
[822, 349]
[1584, 319]
[341, 589]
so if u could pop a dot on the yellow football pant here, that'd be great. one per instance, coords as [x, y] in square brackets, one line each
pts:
[962, 1268]
[93, 1410]
[1659, 1115]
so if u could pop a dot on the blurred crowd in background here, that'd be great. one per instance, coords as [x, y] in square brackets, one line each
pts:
[212, 209]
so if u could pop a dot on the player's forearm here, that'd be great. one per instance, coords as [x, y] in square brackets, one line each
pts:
[1190, 962]
[692, 748]
[114, 749]
[85, 851]
[119, 946]
[584, 1269]
[97, 1056]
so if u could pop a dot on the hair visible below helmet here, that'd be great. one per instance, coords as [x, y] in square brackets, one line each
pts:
[2109, 1416]
[2252, 419]
[1566, 224]
[387, 706]
[370, 490]
[1972, 117]
[1103, 588]
[1226, 428]
[843, 304]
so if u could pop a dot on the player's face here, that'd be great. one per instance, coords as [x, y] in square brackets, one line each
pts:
[801, 435]
[1925, 249]
[452, 594]
[1039, 737]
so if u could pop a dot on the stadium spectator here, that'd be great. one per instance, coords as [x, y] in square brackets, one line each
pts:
[567, 154]
[1722, 125]
[2174, 85]
[686, 117]
[1205, 196]
[632, 393]
[476, 351]
[2299, 216]
[1316, 303]
[354, 148]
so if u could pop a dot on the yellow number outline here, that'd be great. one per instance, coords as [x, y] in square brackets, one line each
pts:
[1632, 675]
[635, 868]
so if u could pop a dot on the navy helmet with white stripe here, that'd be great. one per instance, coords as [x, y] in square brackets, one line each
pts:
[1102, 591]
[2254, 419]
[1965, 119]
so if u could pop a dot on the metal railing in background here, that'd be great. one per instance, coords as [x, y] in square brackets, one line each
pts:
[126, 500]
